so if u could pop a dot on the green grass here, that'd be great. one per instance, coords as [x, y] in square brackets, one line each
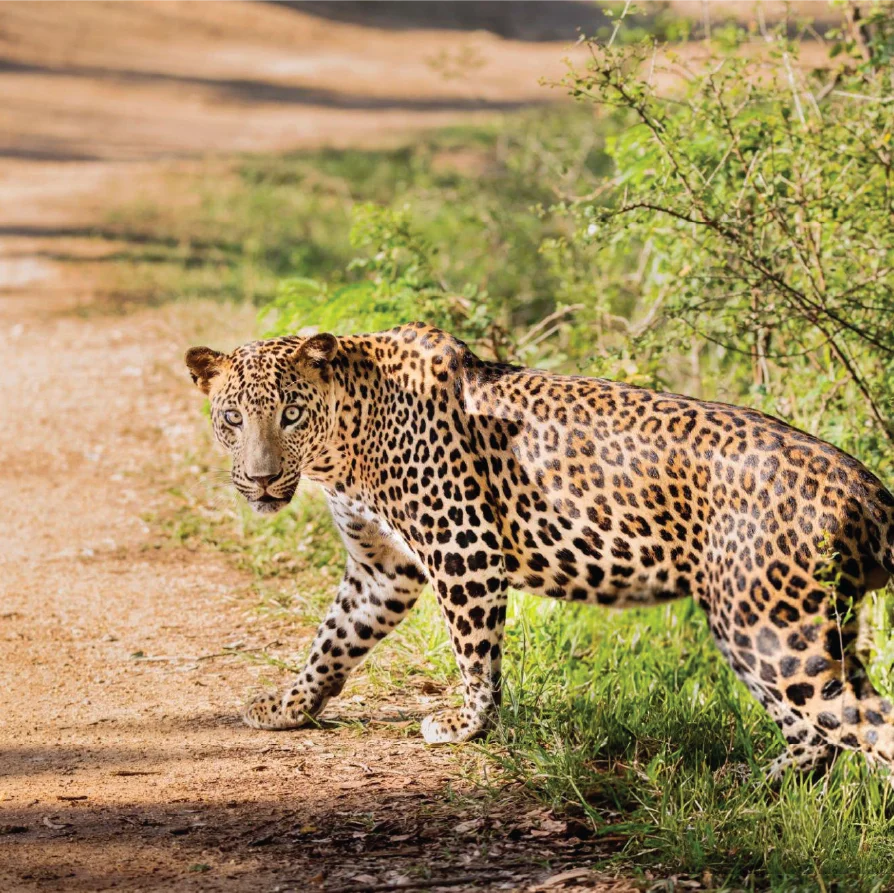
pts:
[634, 721]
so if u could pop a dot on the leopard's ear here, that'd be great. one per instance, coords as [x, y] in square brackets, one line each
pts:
[204, 364]
[315, 355]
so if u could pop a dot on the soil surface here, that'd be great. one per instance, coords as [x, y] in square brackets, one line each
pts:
[122, 763]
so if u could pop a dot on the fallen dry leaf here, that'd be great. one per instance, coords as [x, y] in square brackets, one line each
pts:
[564, 877]
[353, 785]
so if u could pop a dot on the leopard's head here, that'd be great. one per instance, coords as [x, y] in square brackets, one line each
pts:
[271, 409]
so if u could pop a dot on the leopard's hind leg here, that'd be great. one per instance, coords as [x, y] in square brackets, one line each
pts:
[801, 663]
[807, 750]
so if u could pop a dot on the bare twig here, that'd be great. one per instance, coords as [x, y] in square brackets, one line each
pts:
[857, 30]
[794, 88]
[618, 23]
[884, 100]
[830, 86]
[827, 399]
[590, 196]
[648, 320]
[547, 321]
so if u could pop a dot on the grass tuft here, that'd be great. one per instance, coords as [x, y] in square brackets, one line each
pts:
[634, 722]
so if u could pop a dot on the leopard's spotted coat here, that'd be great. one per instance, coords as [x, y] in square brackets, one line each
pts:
[475, 477]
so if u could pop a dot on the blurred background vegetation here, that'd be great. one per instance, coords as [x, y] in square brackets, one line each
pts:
[718, 224]
[720, 227]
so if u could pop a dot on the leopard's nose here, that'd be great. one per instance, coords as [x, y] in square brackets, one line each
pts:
[264, 480]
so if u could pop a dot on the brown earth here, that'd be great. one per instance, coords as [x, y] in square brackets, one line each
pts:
[122, 764]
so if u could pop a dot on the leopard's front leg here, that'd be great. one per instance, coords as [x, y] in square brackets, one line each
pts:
[379, 587]
[472, 591]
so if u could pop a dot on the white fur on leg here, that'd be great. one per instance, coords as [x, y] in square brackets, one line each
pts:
[269, 712]
[452, 727]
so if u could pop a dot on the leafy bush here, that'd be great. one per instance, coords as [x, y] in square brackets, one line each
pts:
[759, 199]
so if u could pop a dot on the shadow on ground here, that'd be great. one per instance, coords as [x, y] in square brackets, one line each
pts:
[248, 90]
[380, 830]
[529, 20]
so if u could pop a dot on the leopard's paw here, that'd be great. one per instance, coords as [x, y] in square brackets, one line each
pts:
[269, 712]
[453, 727]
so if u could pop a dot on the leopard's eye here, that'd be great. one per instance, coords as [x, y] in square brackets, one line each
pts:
[233, 417]
[291, 414]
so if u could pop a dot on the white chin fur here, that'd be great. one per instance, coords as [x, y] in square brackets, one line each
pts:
[268, 508]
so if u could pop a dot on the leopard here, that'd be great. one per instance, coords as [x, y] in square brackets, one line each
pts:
[477, 477]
